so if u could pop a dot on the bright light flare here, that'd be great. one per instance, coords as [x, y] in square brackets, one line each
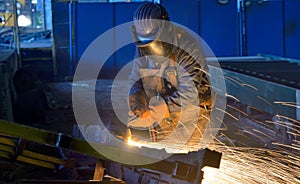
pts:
[276, 160]
[254, 165]
[130, 142]
[24, 21]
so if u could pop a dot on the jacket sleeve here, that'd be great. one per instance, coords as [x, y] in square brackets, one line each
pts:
[193, 86]
[137, 98]
[135, 81]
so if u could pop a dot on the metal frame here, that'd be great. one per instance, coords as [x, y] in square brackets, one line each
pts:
[261, 94]
[179, 167]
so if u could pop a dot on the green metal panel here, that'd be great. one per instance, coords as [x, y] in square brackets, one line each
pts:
[261, 94]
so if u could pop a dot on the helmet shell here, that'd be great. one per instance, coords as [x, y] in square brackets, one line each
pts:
[145, 20]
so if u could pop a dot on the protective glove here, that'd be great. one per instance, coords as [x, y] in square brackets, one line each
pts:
[206, 104]
[137, 104]
[158, 111]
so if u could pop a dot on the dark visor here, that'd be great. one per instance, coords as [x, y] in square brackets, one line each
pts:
[145, 39]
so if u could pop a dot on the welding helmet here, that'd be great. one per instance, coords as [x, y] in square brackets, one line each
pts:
[151, 25]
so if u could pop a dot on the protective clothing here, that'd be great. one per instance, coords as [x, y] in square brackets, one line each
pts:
[158, 111]
[191, 73]
[169, 63]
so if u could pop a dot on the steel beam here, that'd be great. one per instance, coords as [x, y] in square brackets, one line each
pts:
[261, 94]
[178, 167]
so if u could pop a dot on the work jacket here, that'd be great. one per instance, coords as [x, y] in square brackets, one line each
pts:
[191, 86]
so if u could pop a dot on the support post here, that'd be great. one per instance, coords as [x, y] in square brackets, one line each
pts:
[99, 171]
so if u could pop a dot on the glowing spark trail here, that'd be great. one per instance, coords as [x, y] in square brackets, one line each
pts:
[264, 100]
[276, 163]
[253, 165]
[291, 104]
[235, 118]
[248, 85]
[228, 95]
[245, 114]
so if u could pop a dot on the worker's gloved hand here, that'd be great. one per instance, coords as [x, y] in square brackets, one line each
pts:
[137, 104]
[159, 109]
[206, 104]
[156, 113]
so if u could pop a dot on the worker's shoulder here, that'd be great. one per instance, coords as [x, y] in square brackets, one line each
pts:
[188, 42]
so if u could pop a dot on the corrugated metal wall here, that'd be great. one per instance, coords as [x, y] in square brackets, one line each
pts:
[93, 19]
[264, 28]
[219, 27]
[272, 27]
[292, 28]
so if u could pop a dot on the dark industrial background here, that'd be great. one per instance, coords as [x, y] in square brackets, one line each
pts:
[271, 27]
[260, 27]
[257, 44]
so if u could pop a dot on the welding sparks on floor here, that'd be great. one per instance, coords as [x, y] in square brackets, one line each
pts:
[254, 165]
[276, 162]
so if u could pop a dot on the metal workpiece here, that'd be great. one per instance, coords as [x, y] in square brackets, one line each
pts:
[262, 94]
[268, 83]
[176, 168]
[279, 70]
[179, 168]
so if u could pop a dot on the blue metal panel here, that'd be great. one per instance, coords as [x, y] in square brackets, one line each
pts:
[123, 14]
[219, 27]
[183, 12]
[93, 19]
[264, 28]
[292, 28]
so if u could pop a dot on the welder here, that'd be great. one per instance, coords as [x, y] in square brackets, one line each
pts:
[169, 74]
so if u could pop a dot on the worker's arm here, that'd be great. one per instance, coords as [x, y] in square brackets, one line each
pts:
[137, 98]
[193, 86]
